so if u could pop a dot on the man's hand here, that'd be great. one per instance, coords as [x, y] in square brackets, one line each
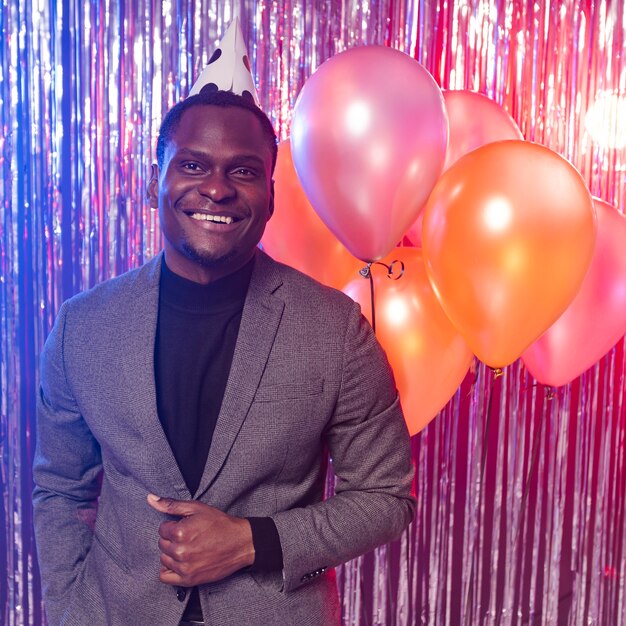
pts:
[203, 546]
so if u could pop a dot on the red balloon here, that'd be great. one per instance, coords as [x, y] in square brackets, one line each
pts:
[596, 319]
[368, 137]
[428, 356]
[474, 121]
[297, 236]
[508, 236]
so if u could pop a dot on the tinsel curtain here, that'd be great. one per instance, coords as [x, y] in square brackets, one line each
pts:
[521, 515]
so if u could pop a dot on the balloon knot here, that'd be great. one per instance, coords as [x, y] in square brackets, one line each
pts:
[366, 271]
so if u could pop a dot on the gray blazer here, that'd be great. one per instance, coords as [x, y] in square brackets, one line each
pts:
[307, 375]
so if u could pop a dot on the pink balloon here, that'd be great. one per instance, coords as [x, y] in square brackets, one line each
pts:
[297, 236]
[368, 141]
[474, 121]
[596, 319]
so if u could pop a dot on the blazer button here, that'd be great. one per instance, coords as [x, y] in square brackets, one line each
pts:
[181, 594]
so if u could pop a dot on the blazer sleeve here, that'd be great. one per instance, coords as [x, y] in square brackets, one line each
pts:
[66, 473]
[369, 447]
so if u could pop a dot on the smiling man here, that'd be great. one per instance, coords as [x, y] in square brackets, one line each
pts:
[213, 185]
[188, 410]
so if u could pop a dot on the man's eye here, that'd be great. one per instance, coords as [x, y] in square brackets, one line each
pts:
[244, 171]
[193, 167]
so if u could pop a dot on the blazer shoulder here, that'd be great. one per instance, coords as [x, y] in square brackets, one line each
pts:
[299, 287]
[116, 291]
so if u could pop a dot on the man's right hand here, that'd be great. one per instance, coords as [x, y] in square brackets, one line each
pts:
[203, 546]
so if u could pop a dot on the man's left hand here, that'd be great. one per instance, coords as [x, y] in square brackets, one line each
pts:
[203, 546]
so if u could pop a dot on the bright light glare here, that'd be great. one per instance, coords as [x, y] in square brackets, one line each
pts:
[605, 120]
[498, 215]
[396, 312]
[357, 119]
[298, 131]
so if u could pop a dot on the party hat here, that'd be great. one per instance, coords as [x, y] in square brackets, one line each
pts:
[229, 68]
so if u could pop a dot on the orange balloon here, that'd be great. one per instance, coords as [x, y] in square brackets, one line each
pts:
[297, 236]
[508, 236]
[428, 356]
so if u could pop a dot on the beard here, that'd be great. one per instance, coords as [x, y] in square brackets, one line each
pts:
[206, 258]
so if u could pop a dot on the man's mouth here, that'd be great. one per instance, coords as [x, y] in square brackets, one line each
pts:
[208, 217]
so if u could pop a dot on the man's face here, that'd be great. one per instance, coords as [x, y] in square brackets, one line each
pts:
[214, 192]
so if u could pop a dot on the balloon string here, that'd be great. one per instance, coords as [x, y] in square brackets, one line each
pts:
[498, 372]
[366, 272]
[372, 301]
[550, 395]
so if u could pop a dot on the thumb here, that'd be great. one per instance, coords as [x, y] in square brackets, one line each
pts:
[182, 508]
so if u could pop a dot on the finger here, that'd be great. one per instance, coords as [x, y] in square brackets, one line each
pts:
[169, 530]
[171, 506]
[175, 573]
[170, 577]
[170, 564]
[173, 550]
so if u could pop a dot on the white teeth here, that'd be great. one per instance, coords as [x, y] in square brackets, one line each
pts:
[221, 219]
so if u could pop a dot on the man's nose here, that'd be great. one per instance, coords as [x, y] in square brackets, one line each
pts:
[217, 187]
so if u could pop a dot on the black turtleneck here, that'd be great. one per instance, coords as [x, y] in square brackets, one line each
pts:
[196, 334]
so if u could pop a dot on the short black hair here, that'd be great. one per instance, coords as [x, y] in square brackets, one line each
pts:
[209, 96]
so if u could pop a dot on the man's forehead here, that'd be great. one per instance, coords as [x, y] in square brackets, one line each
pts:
[211, 114]
[201, 125]
[233, 122]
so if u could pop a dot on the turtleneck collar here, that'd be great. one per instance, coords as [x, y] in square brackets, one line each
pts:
[220, 295]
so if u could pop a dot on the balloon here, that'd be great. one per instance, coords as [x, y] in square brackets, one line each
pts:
[414, 233]
[508, 236]
[368, 139]
[474, 121]
[428, 356]
[297, 236]
[596, 319]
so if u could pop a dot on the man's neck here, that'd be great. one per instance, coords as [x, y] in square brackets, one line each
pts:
[203, 273]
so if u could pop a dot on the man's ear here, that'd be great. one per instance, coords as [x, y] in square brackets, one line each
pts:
[152, 191]
[271, 207]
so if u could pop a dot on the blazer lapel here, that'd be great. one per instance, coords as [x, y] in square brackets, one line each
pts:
[259, 323]
[138, 337]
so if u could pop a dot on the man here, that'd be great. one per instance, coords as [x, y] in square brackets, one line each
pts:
[187, 408]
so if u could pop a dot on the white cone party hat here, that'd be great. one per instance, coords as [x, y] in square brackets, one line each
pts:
[229, 67]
